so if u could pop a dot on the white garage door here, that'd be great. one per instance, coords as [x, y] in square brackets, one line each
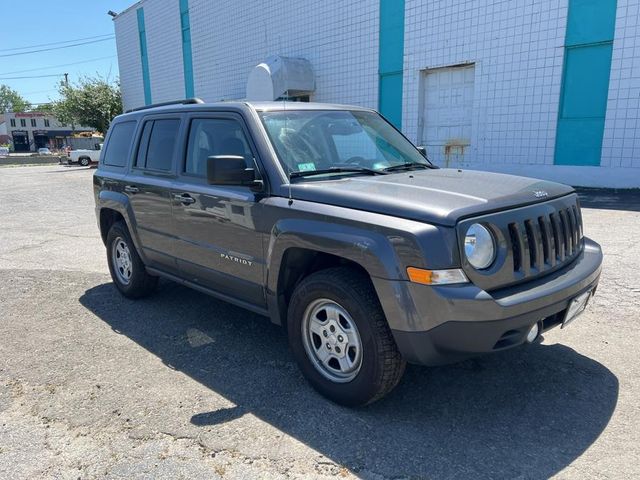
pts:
[446, 112]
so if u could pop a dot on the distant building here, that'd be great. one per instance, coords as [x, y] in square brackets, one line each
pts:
[545, 88]
[29, 131]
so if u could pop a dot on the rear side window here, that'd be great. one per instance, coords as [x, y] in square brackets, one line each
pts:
[158, 144]
[119, 143]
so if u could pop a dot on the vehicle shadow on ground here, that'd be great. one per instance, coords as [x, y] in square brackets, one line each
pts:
[609, 199]
[528, 412]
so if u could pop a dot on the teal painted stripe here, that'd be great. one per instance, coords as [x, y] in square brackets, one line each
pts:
[187, 61]
[590, 21]
[142, 35]
[585, 82]
[390, 60]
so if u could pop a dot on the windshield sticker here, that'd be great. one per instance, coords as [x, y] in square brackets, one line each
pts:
[306, 167]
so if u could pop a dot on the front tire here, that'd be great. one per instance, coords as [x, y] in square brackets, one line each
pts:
[340, 337]
[127, 270]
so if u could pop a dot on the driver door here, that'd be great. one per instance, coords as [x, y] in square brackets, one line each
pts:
[218, 245]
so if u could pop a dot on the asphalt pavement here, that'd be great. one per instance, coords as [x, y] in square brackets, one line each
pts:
[181, 385]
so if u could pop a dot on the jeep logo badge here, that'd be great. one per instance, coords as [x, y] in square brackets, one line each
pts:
[540, 193]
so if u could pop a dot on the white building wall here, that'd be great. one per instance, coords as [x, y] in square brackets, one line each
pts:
[129, 62]
[517, 86]
[621, 142]
[338, 37]
[164, 49]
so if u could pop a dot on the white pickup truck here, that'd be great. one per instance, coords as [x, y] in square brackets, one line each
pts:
[85, 157]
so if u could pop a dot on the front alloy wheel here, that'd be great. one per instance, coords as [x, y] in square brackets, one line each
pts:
[332, 341]
[340, 337]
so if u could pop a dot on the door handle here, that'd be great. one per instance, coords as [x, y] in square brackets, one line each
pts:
[184, 198]
[131, 189]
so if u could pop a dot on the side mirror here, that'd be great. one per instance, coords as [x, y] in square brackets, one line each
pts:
[423, 150]
[229, 170]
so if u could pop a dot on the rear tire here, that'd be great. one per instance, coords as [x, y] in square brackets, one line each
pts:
[84, 161]
[127, 270]
[335, 319]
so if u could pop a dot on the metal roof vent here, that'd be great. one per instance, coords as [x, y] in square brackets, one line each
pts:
[280, 77]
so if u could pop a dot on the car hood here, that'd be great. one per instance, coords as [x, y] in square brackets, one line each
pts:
[441, 196]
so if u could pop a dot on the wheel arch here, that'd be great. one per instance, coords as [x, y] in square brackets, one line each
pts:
[113, 207]
[298, 249]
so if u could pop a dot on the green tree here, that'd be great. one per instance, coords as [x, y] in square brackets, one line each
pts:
[10, 100]
[92, 102]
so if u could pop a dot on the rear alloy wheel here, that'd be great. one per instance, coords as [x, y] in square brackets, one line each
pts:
[340, 337]
[121, 256]
[84, 161]
[127, 270]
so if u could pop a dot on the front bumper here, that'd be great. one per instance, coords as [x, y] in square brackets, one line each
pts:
[439, 325]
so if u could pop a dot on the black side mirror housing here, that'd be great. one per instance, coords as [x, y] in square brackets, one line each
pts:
[423, 150]
[229, 170]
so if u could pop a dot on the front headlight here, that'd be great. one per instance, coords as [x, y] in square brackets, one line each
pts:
[479, 246]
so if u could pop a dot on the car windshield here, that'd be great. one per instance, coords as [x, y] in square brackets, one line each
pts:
[344, 142]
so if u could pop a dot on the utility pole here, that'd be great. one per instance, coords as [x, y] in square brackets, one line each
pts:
[66, 84]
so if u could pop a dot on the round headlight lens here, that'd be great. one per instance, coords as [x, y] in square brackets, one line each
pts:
[479, 246]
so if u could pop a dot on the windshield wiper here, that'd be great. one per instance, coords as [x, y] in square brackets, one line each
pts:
[407, 166]
[309, 173]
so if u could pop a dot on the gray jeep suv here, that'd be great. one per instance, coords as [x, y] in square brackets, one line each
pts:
[329, 221]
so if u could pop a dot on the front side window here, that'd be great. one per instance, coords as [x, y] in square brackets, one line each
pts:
[214, 136]
[158, 144]
[312, 140]
[119, 144]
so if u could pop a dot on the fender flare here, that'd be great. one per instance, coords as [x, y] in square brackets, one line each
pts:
[119, 202]
[369, 249]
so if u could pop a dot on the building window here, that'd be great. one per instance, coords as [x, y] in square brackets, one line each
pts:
[13, 122]
[33, 122]
[23, 122]
[46, 122]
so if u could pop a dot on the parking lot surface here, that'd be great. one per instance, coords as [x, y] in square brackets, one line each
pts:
[180, 385]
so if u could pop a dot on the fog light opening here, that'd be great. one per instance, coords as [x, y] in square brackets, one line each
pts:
[533, 333]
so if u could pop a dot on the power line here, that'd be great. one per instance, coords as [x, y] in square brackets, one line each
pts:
[55, 43]
[56, 48]
[39, 91]
[34, 76]
[58, 66]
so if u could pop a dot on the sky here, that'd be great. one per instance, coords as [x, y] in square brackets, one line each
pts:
[34, 23]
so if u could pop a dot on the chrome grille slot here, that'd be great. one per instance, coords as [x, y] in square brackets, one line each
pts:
[568, 248]
[544, 235]
[578, 215]
[531, 241]
[516, 246]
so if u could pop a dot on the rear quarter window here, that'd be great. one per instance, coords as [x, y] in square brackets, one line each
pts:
[157, 144]
[119, 144]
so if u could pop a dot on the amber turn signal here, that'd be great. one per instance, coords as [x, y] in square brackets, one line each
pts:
[436, 277]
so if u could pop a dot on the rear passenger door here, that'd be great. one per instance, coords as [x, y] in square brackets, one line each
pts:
[217, 244]
[148, 187]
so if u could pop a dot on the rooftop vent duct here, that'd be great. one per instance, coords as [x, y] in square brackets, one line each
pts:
[280, 77]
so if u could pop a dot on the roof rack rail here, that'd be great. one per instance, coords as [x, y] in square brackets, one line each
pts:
[186, 101]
